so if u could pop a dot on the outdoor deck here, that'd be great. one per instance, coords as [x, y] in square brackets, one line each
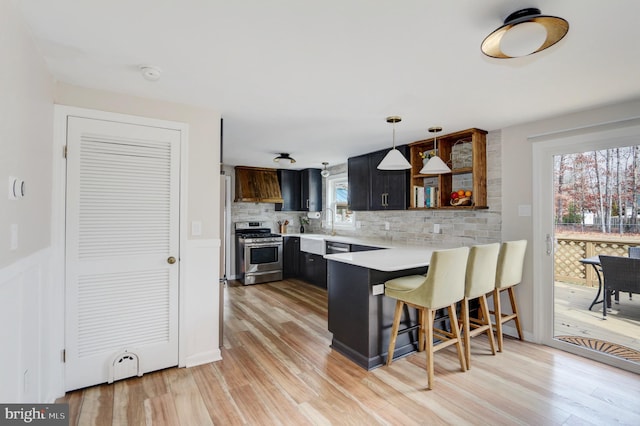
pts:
[573, 317]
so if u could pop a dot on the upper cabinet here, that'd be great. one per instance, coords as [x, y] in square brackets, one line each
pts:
[373, 189]
[301, 190]
[465, 153]
[255, 184]
[311, 182]
[290, 189]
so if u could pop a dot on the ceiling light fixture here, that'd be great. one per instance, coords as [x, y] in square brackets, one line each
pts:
[325, 173]
[524, 32]
[394, 160]
[435, 165]
[284, 159]
[150, 73]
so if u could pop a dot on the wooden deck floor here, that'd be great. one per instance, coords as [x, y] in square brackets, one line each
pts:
[573, 318]
[278, 369]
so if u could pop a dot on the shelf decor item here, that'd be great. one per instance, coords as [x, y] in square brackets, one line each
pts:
[462, 154]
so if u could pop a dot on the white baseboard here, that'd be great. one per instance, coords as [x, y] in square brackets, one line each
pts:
[203, 358]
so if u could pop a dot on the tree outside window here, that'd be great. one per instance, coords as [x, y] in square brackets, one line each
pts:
[338, 201]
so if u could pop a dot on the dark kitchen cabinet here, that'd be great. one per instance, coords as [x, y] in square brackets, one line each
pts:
[313, 269]
[358, 175]
[373, 189]
[291, 257]
[311, 182]
[301, 190]
[291, 190]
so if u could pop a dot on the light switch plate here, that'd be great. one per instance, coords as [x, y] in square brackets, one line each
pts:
[196, 227]
[377, 289]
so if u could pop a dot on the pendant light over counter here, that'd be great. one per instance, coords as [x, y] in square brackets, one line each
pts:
[435, 165]
[394, 160]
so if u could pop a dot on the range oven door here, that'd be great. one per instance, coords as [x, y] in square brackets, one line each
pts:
[262, 262]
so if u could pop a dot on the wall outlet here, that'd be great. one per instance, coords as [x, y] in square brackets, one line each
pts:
[436, 228]
[387, 226]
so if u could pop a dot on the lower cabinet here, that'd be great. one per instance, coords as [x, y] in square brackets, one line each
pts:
[291, 257]
[309, 267]
[313, 269]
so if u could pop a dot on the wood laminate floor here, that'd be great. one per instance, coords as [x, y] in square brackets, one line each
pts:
[278, 369]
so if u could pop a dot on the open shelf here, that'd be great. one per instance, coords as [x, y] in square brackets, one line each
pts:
[465, 153]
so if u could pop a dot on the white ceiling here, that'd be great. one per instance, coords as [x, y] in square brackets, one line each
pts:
[316, 79]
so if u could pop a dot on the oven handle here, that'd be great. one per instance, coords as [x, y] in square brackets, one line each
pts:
[259, 245]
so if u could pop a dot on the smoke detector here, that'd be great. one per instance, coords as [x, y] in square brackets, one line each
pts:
[150, 73]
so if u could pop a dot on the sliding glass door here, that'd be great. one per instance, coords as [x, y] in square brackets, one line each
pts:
[587, 198]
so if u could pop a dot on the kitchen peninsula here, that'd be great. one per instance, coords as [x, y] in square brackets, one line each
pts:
[360, 316]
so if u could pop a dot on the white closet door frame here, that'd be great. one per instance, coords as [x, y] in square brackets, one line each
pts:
[58, 238]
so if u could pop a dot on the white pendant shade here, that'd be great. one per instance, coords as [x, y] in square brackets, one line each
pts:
[435, 166]
[394, 160]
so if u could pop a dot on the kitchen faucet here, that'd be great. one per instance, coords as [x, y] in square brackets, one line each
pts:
[333, 232]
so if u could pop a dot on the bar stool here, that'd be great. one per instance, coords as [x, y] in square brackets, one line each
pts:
[508, 275]
[480, 280]
[442, 287]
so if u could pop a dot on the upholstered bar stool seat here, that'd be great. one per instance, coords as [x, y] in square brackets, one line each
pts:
[442, 287]
[480, 280]
[508, 275]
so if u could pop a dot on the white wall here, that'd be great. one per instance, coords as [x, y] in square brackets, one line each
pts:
[26, 128]
[518, 179]
[31, 312]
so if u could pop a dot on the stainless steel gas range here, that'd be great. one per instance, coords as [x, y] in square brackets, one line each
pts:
[258, 253]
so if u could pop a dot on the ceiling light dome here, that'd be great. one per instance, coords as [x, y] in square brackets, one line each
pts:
[524, 32]
[284, 159]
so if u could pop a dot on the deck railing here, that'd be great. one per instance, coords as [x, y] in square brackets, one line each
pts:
[570, 248]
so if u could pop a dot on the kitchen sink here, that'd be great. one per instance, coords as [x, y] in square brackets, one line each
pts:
[313, 243]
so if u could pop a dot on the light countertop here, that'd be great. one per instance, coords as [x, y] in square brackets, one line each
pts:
[390, 259]
[391, 256]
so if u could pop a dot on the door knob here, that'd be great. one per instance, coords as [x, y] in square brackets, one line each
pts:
[171, 260]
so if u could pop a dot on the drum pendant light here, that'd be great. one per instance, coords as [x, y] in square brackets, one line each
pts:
[394, 160]
[435, 165]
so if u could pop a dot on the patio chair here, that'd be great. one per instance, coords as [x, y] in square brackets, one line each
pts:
[620, 274]
[634, 252]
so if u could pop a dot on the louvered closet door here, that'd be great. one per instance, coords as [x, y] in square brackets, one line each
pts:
[122, 229]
